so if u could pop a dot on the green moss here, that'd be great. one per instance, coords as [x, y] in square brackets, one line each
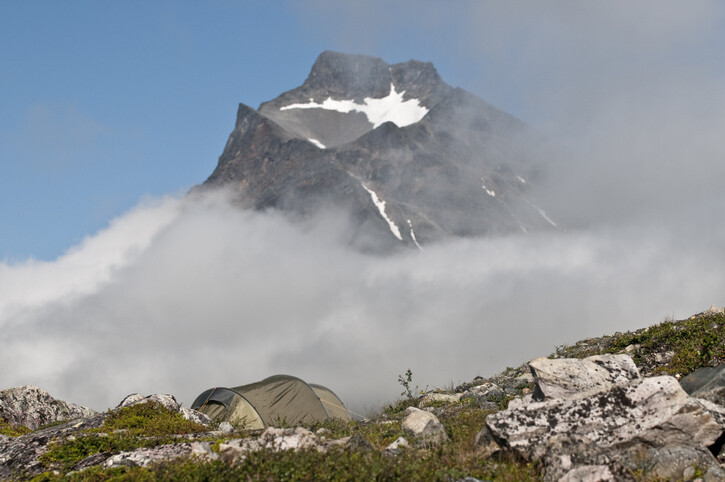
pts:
[12, 430]
[149, 419]
[695, 342]
[146, 424]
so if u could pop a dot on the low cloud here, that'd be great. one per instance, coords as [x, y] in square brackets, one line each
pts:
[184, 294]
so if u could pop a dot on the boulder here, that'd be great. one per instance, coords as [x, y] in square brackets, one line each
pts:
[570, 377]
[144, 457]
[652, 410]
[33, 407]
[677, 462]
[226, 427]
[275, 439]
[707, 383]
[423, 425]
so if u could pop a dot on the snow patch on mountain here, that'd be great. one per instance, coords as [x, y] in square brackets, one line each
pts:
[380, 204]
[546, 217]
[412, 235]
[317, 143]
[391, 108]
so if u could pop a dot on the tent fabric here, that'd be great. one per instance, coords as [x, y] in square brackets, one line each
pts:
[277, 400]
[331, 402]
[227, 405]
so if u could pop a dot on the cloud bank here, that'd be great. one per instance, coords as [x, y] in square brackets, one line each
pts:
[180, 295]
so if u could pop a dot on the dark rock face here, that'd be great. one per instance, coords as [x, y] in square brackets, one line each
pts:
[410, 158]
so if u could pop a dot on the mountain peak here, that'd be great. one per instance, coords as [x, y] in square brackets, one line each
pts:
[412, 159]
[356, 76]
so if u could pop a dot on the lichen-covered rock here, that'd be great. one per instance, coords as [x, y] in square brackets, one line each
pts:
[21, 455]
[435, 397]
[34, 407]
[275, 439]
[654, 410]
[146, 456]
[424, 426]
[571, 377]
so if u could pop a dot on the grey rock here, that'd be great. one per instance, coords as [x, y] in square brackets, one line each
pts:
[653, 410]
[146, 456]
[226, 427]
[588, 473]
[431, 398]
[196, 416]
[568, 377]
[275, 439]
[34, 407]
[714, 474]
[394, 448]
[667, 463]
[21, 455]
[707, 383]
[485, 443]
[131, 399]
[424, 426]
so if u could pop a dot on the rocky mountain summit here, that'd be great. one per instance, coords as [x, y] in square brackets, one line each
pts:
[409, 158]
[643, 405]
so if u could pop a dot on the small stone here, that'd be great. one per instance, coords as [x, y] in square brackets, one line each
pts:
[397, 446]
[431, 398]
[226, 427]
[485, 443]
[423, 425]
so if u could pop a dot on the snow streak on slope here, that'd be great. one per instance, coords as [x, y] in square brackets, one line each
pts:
[391, 108]
[380, 204]
[317, 143]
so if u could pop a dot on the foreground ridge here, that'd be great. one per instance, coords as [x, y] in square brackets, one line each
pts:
[642, 405]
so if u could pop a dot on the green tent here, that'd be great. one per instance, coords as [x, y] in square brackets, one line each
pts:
[273, 401]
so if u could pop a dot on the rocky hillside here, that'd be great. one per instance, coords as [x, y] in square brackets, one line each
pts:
[643, 405]
[409, 158]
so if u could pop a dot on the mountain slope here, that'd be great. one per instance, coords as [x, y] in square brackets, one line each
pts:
[411, 159]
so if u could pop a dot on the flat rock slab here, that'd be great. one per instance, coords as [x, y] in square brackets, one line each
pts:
[572, 377]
